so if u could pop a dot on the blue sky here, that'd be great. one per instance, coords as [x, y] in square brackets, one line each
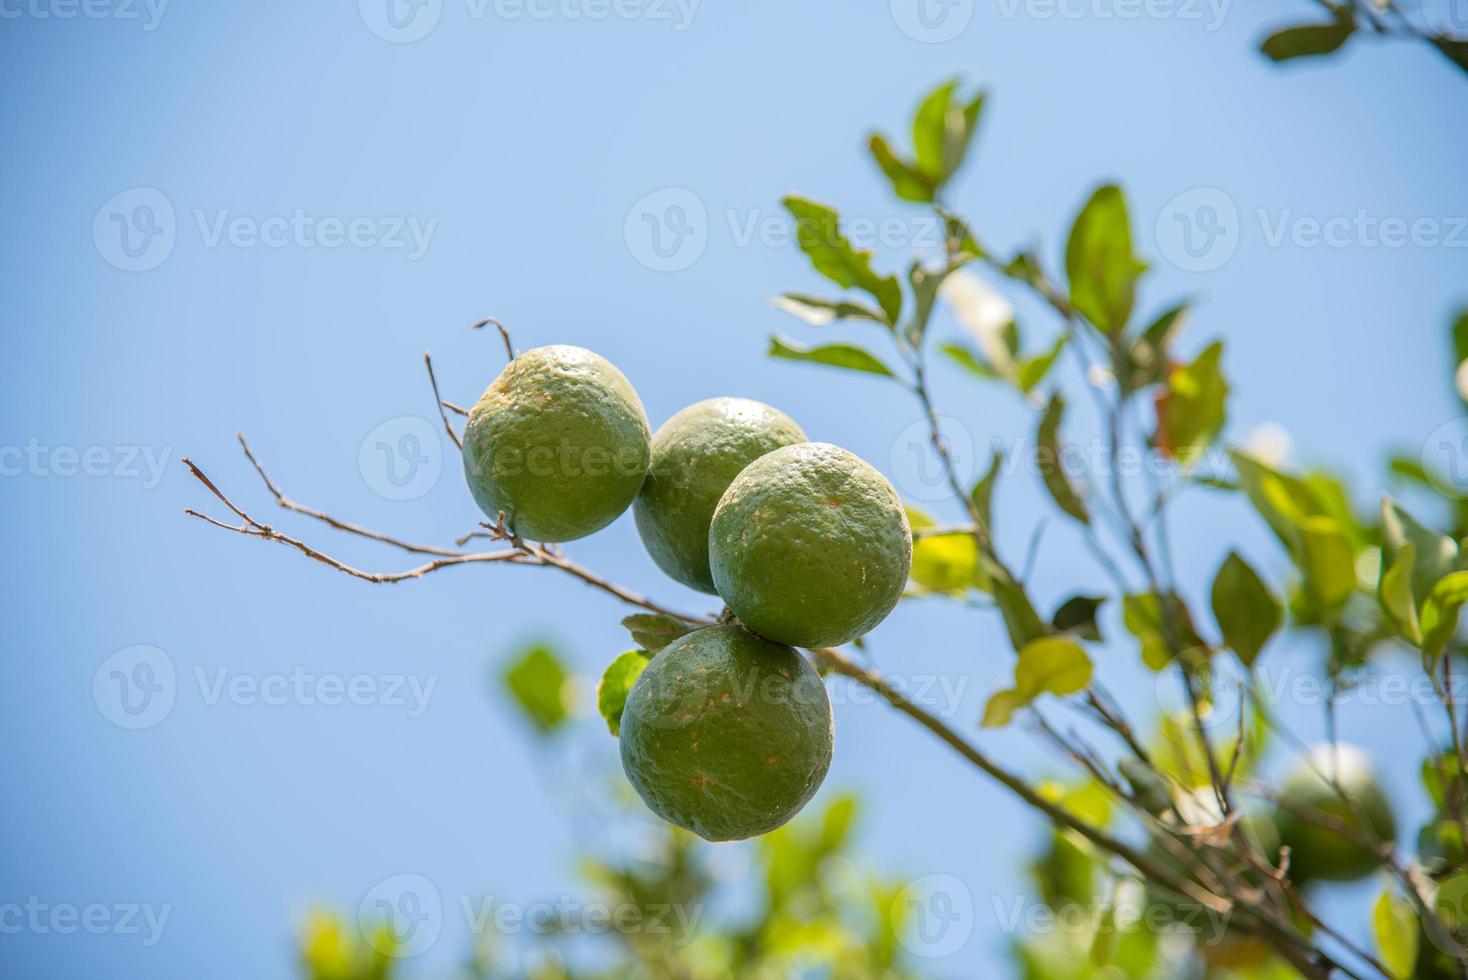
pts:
[343, 198]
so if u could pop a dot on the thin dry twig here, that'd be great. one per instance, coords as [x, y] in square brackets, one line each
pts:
[504, 334]
[438, 400]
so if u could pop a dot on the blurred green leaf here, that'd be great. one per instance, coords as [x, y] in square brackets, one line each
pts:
[982, 493]
[820, 312]
[1147, 358]
[616, 682]
[942, 130]
[1078, 615]
[1394, 923]
[538, 683]
[1054, 664]
[1020, 618]
[941, 563]
[1436, 554]
[1395, 592]
[968, 358]
[1000, 708]
[1030, 371]
[653, 631]
[1329, 561]
[1100, 263]
[1047, 446]
[908, 183]
[1310, 39]
[1149, 788]
[846, 356]
[1440, 611]
[818, 232]
[1142, 615]
[1191, 412]
[1247, 612]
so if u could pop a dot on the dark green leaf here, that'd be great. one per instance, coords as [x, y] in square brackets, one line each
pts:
[1247, 612]
[653, 631]
[1309, 39]
[835, 355]
[983, 492]
[818, 232]
[1149, 788]
[968, 358]
[820, 312]
[616, 682]
[1047, 451]
[537, 681]
[963, 243]
[1456, 50]
[1100, 263]
[1147, 360]
[1078, 615]
[1020, 618]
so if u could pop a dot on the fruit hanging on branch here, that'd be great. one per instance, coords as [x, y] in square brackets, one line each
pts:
[1314, 790]
[727, 734]
[696, 454]
[810, 546]
[558, 444]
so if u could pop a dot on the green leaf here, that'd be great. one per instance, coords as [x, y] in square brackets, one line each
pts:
[966, 357]
[1394, 591]
[1032, 370]
[908, 182]
[1394, 923]
[818, 232]
[1437, 554]
[820, 312]
[1247, 612]
[983, 492]
[1440, 611]
[1000, 707]
[1192, 411]
[1147, 359]
[925, 286]
[846, 356]
[538, 683]
[1329, 561]
[1308, 40]
[942, 132]
[1100, 263]
[1047, 446]
[1142, 615]
[943, 563]
[653, 631]
[616, 682]
[1020, 618]
[1078, 615]
[1052, 664]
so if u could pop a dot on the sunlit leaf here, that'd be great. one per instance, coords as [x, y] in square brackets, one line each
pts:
[1394, 924]
[539, 685]
[1100, 263]
[818, 233]
[1191, 411]
[616, 682]
[1052, 664]
[846, 356]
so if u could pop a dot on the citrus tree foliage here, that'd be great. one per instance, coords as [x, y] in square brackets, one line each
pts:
[1337, 23]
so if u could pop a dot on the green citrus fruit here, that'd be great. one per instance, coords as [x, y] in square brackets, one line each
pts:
[810, 546]
[559, 443]
[1322, 853]
[696, 454]
[726, 733]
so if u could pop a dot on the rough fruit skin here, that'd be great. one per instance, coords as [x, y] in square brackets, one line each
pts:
[559, 442]
[1316, 852]
[696, 454]
[727, 734]
[810, 546]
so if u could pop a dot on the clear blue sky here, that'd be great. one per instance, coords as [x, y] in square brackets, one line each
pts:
[517, 146]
